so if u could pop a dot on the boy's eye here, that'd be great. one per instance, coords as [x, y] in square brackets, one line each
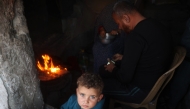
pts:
[81, 94]
[92, 97]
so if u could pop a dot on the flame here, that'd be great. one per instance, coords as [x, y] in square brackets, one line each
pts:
[48, 65]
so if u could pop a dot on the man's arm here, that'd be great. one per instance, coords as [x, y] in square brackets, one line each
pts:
[134, 46]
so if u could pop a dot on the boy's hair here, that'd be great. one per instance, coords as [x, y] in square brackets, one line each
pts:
[91, 80]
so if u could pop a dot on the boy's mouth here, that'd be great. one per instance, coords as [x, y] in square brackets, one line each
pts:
[84, 106]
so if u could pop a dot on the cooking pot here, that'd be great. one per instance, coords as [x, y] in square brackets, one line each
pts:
[108, 38]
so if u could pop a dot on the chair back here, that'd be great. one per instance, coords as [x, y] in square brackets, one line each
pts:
[150, 101]
[153, 95]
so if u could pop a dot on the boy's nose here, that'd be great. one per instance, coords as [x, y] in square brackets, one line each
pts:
[86, 100]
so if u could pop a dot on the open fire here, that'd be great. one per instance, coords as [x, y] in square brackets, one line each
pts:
[48, 70]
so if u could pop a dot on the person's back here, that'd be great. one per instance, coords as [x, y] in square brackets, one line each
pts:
[152, 42]
[180, 83]
[185, 41]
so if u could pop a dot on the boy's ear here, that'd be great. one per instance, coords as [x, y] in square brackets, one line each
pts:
[100, 97]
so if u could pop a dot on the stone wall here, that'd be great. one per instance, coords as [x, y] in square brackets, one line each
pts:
[19, 84]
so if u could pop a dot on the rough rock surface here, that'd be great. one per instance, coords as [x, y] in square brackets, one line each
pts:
[19, 84]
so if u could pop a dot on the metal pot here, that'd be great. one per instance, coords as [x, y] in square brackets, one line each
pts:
[108, 38]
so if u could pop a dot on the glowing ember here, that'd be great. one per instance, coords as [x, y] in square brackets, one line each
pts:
[48, 69]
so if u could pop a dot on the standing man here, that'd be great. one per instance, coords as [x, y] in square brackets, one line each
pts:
[147, 55]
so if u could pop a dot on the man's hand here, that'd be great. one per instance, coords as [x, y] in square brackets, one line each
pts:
[109, 67]
[117, 57]
[114, 32]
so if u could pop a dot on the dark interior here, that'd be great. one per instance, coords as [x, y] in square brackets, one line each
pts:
[44, 20]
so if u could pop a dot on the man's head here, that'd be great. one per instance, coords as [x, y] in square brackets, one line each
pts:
[89, 90]
[126, 15]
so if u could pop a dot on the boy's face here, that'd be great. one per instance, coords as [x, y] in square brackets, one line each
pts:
[87, 98]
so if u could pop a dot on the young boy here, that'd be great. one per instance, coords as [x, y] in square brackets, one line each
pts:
[88, 93]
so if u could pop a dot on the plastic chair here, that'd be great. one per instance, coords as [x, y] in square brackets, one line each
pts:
[150, 101]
